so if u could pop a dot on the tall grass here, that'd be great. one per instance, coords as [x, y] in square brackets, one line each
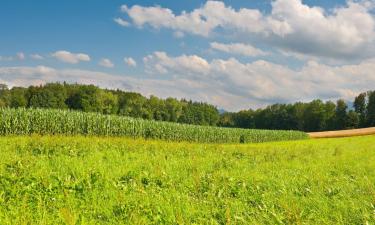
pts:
[79, 180]
[62, 122]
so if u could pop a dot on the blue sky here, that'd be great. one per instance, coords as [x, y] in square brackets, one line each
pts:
[234, 54]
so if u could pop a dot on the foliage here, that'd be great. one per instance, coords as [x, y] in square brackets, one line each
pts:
[79, 180]
[341, 115]
[360, 108]
[371, 109]
[312, 116]
[41, 121]
[89, 98]
[316, 115]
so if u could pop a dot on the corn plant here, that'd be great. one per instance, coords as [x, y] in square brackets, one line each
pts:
[62, 122]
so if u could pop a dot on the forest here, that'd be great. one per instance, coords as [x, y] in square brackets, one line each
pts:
[316, 115]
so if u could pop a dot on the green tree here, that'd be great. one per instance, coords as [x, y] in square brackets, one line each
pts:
[174, 109]
[341, 116]
[244, 119]
[86, 98]
[4, 95]
[18, 98]
[371, 109]
[353, 120]
[227, 120]
[330, 115]
[211, 114]
[108, 102]
[314, 116]
[298, 113]
[360, 108]
[51, 95]
[199, 113]
[133, 104]
[157, 108]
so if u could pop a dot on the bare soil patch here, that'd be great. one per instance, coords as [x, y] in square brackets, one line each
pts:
[343, 133]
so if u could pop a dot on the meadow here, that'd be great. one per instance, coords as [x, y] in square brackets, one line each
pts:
[108, 180]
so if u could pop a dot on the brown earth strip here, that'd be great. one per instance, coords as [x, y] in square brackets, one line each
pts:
[343, 133]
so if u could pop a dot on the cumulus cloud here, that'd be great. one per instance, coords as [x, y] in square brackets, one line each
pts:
[346, 32]
[36, 56]
[130, 61]
[178, 34]
[238, 49]
[262, 82]
[72, 58]
[201, 21]
[229, 84]
[162, 63]
[20, 56]
[25, 76]
[106, 63]
[343, 32]
[122, 22]
[6, 58]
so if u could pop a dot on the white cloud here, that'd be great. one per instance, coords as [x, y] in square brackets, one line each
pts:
[201, 21]
[6, 58]
[238, 49]
[122, 22]
[162, 63]
[178, 34]
[348, 31]
[36, 56]
[230, 84]
[72, 58]
[260, 83]
[343, 32]
[106, 63]
[21, 56]
[25, 76]
[130, 61]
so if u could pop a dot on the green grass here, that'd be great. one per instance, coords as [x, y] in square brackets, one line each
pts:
[64, 122]
[83, 180]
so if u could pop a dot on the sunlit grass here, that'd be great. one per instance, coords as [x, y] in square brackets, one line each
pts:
[81, 180]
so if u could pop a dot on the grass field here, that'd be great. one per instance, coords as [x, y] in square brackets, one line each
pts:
[82, 180]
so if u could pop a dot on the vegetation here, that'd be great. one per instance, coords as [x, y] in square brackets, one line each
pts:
[88, 98]
[43, 121]
[79, 180]
[313, 116]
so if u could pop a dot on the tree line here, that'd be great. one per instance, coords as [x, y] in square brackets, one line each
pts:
[316, 115]
[89, 98]
[313, 116]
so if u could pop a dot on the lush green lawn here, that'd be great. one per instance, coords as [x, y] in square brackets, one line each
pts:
[56, 180]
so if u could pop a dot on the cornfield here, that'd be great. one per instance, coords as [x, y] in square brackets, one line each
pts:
[62, 122]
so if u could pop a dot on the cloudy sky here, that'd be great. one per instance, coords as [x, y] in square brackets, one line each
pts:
[235, 54]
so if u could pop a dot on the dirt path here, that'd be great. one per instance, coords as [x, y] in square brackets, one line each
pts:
[343, 133]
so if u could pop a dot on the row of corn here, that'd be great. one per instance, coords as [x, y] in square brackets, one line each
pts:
[63, 122]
